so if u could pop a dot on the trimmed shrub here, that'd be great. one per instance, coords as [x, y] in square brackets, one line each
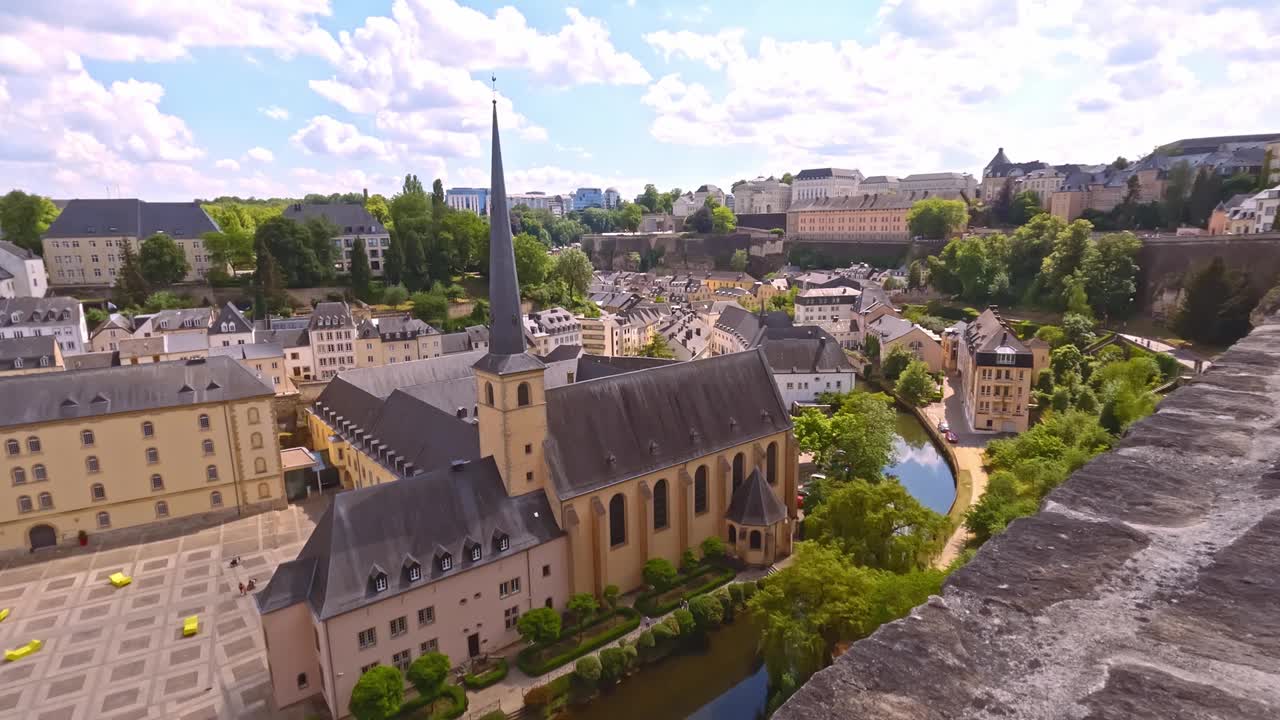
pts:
[663, 633]
[544, 695]
[485, 679]
[494, 715]
[613, 665]
[684, 621]
[736, 593]
[586, 677]
[727, 605]
[688, 560]
[377, 694]
[632, 657]
[428, 673]
[660, 574]
[528, 663]
[705, 612]
[712, 548]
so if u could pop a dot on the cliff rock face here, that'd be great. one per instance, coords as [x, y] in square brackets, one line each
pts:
[1147, 587]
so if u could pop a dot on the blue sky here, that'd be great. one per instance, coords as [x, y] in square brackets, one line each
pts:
[284, 97]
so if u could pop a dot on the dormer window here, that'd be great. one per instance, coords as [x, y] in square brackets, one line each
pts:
[504, 543]
[475, 553]
[379, 578]
[415, 572]
[446, 562]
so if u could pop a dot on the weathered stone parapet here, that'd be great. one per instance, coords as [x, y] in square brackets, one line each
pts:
[1146, 587]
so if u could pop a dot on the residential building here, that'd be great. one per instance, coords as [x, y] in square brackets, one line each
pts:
[996, 369]
[687, 333]
[472, 200]
[857, 218]
[85, 245]
[584, 198]
[25, 269]
[1266, 206]
[684, 206]
[1001, 170]
[534, 200]
[832, 309]
[547, 330]
[806, 361]
[293, 338]
[1220, 220]
[139, 350]
[178, 321]
[821, 183]
[61, 317]
[737, 329]
[353, 222]
[332, 332]
[264, 360]
[658, 223]
[406, 338]
[567, 489]
[879, 185]
[600, 335]
[30, 355]
[230, 327]
[704, 192]
[893, 331]
[762, 195]
[940, 182]
[109, 449]
[107, 336]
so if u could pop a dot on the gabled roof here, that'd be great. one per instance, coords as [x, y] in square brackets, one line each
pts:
[114, 321]
[39, 311]
[805, 348]
[330, 315]
[230, 315]
[28, 350]
[130, 217]
[988, 332]
[350, 218]
[19, 252]
[604, 431]
[754, 504]
[415, 517]
[182, 318]
[68, 395]
[890, 327]
[248, 351]
[593, 367]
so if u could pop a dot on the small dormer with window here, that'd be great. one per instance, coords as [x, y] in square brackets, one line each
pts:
[377, 579]
[412, 568]
[444, 560]
[501, 541]
[473, 550]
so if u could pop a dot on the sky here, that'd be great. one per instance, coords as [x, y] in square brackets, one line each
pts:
[168, 100]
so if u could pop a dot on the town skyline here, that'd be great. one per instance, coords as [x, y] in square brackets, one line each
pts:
[338, 97]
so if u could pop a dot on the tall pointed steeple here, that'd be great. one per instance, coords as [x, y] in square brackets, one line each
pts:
[506, 331]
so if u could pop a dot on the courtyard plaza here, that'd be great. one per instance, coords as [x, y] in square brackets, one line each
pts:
[119, 653]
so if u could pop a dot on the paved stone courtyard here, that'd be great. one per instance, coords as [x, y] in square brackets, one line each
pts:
[119, 654]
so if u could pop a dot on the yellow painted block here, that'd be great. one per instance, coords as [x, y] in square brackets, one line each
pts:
[4, 614]
[191, 626]
[21, 652]
[119, 579]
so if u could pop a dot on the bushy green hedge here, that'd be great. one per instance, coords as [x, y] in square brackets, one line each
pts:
[718, 576]
[485, 679]
[527, 662]
[416, 709]
[935, 307]
[543, 695]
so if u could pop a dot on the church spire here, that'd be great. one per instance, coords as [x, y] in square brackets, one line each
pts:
[506, 336]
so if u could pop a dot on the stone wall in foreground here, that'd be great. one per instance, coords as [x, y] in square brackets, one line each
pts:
[1147, 587]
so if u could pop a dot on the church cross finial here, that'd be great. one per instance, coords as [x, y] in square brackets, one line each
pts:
[493, 80]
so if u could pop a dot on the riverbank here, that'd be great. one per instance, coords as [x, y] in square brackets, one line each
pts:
[967, 455]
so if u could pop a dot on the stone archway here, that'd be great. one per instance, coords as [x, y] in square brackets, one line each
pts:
[42, 536]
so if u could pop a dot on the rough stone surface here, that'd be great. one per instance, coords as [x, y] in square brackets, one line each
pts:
[1146, 587]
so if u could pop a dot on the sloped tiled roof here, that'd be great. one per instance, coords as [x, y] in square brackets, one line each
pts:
[754, 504]
[235, 320]
[130, 217]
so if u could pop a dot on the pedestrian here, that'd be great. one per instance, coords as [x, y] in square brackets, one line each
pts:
[242, 588]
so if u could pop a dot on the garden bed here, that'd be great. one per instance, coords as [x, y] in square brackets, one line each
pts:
[595, 633]
[688, 586]
[487, 676]
[449, 704]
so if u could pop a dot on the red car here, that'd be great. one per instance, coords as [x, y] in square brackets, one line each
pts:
[951, 438]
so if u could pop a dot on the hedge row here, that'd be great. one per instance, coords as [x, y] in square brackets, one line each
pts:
[415, 709]
[526, 659]
[720, 576]
[485, 679]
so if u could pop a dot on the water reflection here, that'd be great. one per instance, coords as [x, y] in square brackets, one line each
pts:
[920, 466]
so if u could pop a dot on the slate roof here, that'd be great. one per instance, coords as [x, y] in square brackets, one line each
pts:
[890, 327]
[330, 315]
[231, 315]
[182, 318]
[350, 218]
[745, 325]
[249, 351]
[988, 332]
[452, 343]
[594, 367]
[562, 353]
[284, 337]
[754, 503]
[806, 349]
[1144, 589]
[393, 524]
[130, 217]
[819, 173]
[89, 361]
[604, 431]
[49, 397]
[402, 327]
[5, 274]
[999, 159]
[880, 179]
[39, 311]
[19, 252]
[117, 321]
[29, 350]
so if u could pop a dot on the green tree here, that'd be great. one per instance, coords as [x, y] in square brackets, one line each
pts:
[650, 199]
[131, 288]
[1176, 190]
[411, 201]
[1051, 334]
[395, 295]
[872, 349]
[611, 593]
[164, 300]
[320, 234]
[162, 261]
[1065, 361]
[428, 673]
[713, 548]
[895, 362]
[414, 232]
[233, 245]
[291, 247]
[268, 283]
[1069, 250]
[629, 217]
[379, 208]
[393, 260]
[786, 178]
[532, 261]
[915, 275]
[1077, 298]
[1110, 271]
[722, 220]
[936, 218]
[660, 574]
[361, 275]
[878, 525]
[1078, 330]
[915, 385]
[540, 625]
[738, 262]
[1025, 206]
[708, 613]
[1215, 305]
[1264, 177]
[856, 441]
[24, 218]
[378, 694]
[1205, 191]
[586, 675]
[574, 268]
[1002, 205]
[582, 606]
[684, 620]
[657, 347]
[613, 665]
[431, 307]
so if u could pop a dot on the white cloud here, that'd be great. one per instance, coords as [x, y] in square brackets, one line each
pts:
[326, 136]
[275, 112]
[939, 85]
[574, 150]
[260, 154]
[227, 164]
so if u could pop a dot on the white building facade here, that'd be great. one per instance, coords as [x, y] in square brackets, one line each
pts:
[63, 318]
[762, 195]
[25, 270]
[815, 183]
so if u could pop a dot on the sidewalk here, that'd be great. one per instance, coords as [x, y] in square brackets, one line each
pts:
[968, 452]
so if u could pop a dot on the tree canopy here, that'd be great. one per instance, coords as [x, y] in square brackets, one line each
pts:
[879, 525]
[1215, 305]
[24, 218]
[378, 694]
[162, 261]
[936, 218]
[854, 442]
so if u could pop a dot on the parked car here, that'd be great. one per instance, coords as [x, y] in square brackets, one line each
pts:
[951, 438]
[943, 426]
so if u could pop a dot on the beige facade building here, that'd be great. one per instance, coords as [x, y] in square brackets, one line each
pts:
[762, 195]
[549, 329]
[30, 356]
[85, 245]
[264, 360]
[996, 369]
[571, 488]
[395, 338]
[332, 333]
[893, 331]
[858, 218]
[96, 451]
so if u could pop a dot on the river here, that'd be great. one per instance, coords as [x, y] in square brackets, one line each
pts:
[725, 681]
